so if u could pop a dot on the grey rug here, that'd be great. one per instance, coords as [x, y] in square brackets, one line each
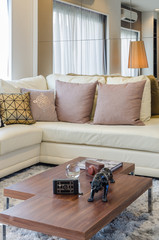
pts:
[132, 224]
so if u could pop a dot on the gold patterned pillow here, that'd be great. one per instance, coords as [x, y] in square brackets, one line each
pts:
[15, 108]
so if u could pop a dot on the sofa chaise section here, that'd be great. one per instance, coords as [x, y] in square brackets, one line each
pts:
[19, 147]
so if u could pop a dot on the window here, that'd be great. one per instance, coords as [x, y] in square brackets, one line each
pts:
[127, 36]
[4, 40]
[79, 40]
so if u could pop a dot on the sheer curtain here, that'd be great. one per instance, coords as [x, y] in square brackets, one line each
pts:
[4, 40]
[126, 37]
[79, 45]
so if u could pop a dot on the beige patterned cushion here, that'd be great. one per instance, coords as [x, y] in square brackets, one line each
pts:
[15, 108]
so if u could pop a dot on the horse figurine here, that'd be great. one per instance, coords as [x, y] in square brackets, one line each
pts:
[101, 180]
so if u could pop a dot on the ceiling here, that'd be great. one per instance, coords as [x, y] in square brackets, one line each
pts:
[142, 5]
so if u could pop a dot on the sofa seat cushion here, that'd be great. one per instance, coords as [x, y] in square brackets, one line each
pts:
[142, 138]
[14, 137]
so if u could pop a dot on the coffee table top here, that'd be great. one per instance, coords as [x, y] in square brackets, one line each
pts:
[71, 217]
[42, 182]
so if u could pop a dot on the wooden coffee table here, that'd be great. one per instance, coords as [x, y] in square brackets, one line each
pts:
[71, 217]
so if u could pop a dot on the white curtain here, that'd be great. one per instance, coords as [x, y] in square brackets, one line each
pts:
[79, 45]
[126, 37]
[4, 40]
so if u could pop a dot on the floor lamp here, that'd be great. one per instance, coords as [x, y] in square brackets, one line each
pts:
[137, 55]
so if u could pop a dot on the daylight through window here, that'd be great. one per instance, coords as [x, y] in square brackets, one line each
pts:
[79, 40]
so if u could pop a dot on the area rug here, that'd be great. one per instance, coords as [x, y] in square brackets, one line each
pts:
[132, 224]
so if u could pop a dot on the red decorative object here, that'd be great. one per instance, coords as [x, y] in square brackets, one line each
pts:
[92, 167]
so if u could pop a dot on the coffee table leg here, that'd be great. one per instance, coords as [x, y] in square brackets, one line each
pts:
[150, 200]
[6, 206]
[6, 203]
[4, 232]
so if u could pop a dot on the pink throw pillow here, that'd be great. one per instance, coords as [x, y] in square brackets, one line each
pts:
[74, 101]
[119, 104]
[42, 104]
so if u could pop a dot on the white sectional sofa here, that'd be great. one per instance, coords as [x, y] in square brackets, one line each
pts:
[57, 142]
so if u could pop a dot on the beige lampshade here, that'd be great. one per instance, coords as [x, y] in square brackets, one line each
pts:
[137, 55]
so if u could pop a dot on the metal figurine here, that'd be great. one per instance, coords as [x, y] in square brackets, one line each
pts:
[101, 180]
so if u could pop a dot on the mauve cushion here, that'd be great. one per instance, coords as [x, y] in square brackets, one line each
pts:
[42, 104]
[119, 104]
[74, 101]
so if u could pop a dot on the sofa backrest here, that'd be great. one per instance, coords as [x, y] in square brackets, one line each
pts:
[38, 82]
[51, 79]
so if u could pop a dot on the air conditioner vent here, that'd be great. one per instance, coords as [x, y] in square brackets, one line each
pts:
[128, 16]
[129, 20]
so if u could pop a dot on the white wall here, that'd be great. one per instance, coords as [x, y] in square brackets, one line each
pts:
[23, 38]
[147, 37]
